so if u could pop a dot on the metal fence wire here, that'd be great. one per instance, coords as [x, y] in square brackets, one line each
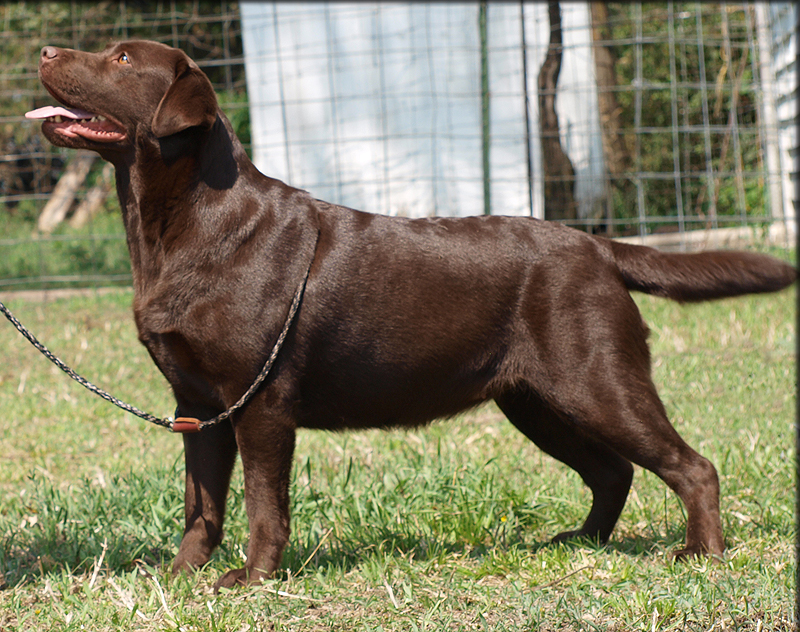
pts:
[658, 121]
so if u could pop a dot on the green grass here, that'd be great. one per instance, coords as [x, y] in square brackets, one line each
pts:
[444, 528]
[93, 255]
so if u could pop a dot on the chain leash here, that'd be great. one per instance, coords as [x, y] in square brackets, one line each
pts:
[181, 424]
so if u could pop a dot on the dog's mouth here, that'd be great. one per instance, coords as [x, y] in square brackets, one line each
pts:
[74, 123]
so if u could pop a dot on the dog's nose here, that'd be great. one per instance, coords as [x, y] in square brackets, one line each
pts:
[49, 52]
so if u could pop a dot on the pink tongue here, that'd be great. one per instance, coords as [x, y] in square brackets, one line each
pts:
[49, 111]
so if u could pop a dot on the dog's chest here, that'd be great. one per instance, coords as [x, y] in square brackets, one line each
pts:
[200, 351]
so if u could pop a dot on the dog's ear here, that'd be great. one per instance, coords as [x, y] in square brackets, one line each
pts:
[189, 102]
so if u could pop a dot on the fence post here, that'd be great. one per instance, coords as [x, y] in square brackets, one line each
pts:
[486, 130]
[769, 117]
[527, 104]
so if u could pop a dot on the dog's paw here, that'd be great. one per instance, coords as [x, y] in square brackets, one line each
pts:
[566, 536]
[239, 577]
[692, 553]
[183, 566]
[579, 534]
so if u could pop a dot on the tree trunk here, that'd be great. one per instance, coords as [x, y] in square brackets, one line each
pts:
[94, 199]
[616, 153]
[64, 192]
[559, 175]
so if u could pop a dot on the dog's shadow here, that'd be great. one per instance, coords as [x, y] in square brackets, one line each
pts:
[50, 553]
[45, 555]
[135, 525]
[348, 556]
[131, 520]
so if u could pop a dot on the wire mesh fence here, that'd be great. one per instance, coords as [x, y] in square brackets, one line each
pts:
[80, 248]
[617, 118]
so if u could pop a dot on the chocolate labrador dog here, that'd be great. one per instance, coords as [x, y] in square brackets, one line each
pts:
[403, 320]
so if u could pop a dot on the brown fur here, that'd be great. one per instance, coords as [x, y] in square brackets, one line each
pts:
[403, 320]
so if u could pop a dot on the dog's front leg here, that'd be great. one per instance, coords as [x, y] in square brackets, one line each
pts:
[210, 456]
[266, 444]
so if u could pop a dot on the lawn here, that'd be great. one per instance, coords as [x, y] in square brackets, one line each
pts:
[442, 528]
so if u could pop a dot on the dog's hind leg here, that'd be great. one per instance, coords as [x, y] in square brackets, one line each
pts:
[630, 418]
[585, 356]
[605, 472]
[640, 431]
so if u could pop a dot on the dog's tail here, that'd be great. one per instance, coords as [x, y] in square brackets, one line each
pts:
[699, 276]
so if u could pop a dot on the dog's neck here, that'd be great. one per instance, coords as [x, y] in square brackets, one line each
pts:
[197, 188]
[159, 188]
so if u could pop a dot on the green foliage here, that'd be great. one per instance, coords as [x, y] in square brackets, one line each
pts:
[728, 82]
[235, 105]
[93, 255]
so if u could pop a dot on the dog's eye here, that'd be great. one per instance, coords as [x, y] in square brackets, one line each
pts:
[123, 59]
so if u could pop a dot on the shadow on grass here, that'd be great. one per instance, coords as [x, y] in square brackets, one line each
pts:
[128, 522]
[345, 556]
[136, 520]
[121, 553]
[42, 557]
[632, 546]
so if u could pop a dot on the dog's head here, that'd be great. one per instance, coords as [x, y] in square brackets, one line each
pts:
[128, 91]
